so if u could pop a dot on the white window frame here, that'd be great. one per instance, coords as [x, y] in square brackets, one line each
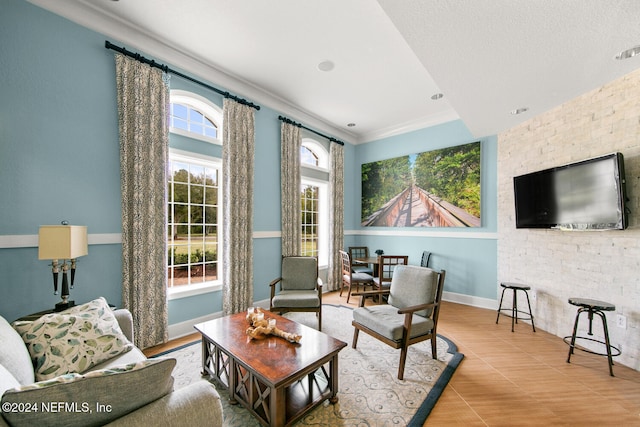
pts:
[320, 152]
[183, 291]
[214, 113]
[323, 217]
[323, 195]
[203, 105]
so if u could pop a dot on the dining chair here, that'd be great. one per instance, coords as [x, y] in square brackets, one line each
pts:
[386, 267]
[349, 278]
[300, 287]
[426, 256]
[411, 315]
[359, 252]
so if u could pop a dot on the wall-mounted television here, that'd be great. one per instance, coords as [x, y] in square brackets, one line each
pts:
[586, 195]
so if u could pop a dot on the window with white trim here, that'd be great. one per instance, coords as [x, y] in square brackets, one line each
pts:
[314, 200]
[191, 120]
[193, 221]
[194, 198]
[196, 117]
[309, 198]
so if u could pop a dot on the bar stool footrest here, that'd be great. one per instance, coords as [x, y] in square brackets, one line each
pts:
[567, 341]
[509, 310]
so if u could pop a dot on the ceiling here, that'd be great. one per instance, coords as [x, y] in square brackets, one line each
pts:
[488, 57]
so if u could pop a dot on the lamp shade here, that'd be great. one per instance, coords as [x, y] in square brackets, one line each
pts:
[62, 241]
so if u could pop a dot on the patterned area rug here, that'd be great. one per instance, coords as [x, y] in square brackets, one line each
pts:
[370, 393]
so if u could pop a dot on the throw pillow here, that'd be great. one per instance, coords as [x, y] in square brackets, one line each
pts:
[95, 398]
[73, 340]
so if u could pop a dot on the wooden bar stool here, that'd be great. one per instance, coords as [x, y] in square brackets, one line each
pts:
[592, 307]
[515, 287]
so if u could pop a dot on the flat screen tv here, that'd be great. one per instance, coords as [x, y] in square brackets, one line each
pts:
[587, 195]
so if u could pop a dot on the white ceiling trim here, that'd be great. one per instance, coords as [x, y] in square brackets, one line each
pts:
[86, 15]
[398, 129]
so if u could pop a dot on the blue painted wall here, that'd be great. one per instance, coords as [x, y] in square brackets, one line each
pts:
[469, 255]
[59, 160]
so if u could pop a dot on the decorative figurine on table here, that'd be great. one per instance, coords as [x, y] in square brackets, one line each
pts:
[260, 327]
[379, 252]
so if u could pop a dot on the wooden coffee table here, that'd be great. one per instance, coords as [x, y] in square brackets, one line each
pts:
[277, 381]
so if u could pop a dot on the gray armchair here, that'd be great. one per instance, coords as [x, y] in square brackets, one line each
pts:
[411, 315]
[300, 287]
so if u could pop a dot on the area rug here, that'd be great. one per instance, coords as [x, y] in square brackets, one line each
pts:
[370, 393]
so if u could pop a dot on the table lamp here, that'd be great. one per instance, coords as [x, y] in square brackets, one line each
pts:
[62, 243]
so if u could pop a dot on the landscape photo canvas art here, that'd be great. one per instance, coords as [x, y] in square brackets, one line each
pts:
[438, 188]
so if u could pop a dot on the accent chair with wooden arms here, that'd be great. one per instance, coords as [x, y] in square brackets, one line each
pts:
[349, 278]
[411, 315]
[300, 287]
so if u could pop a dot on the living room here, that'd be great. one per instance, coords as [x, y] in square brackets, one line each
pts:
[60, 161]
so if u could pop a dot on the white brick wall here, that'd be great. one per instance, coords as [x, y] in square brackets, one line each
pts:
[559, 265]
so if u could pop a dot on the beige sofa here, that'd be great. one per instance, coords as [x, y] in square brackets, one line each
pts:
[123, 389]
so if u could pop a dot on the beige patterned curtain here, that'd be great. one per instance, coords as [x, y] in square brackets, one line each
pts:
[336, 216]
[290, 143]
[143, 98]
[237, 166]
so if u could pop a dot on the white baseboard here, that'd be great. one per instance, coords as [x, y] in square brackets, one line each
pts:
[470, 300]
[178, 330]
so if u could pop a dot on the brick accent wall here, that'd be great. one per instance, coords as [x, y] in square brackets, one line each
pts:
[559, 265]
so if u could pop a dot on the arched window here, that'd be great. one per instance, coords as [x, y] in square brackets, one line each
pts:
[195, 117]
[314, 158]
[194, 201]
[314, 154]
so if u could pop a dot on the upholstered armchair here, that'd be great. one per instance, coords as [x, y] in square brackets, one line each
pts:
[300, 287]
[411, 315]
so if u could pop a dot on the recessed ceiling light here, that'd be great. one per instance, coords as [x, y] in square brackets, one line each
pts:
[626, 54]
[519, 111]
[351, 124]
[437, 96]
[326, 66]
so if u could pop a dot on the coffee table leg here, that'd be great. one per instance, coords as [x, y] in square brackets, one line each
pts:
[232, 381]
[333, 367]
[277, 406]
[205, 357]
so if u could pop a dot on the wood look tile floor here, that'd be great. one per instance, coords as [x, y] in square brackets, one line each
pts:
[520, 378]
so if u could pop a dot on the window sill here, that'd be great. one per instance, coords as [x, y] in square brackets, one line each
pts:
[193, 290]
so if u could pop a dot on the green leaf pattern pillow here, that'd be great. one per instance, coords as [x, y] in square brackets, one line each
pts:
[73, 340]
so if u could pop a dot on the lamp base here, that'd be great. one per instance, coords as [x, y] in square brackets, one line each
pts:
[61, 306]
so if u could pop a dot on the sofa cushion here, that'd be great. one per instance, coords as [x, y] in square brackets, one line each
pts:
[14, 355]
[91, 399]
[73, 340]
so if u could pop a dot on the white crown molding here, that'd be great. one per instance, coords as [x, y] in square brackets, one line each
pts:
[86, 14]
[417, 124]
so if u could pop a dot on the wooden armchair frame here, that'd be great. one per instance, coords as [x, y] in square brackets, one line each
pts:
[296, 307]
[408, 312]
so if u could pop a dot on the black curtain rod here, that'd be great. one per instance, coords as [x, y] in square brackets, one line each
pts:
[166, 69]
[300, 125]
